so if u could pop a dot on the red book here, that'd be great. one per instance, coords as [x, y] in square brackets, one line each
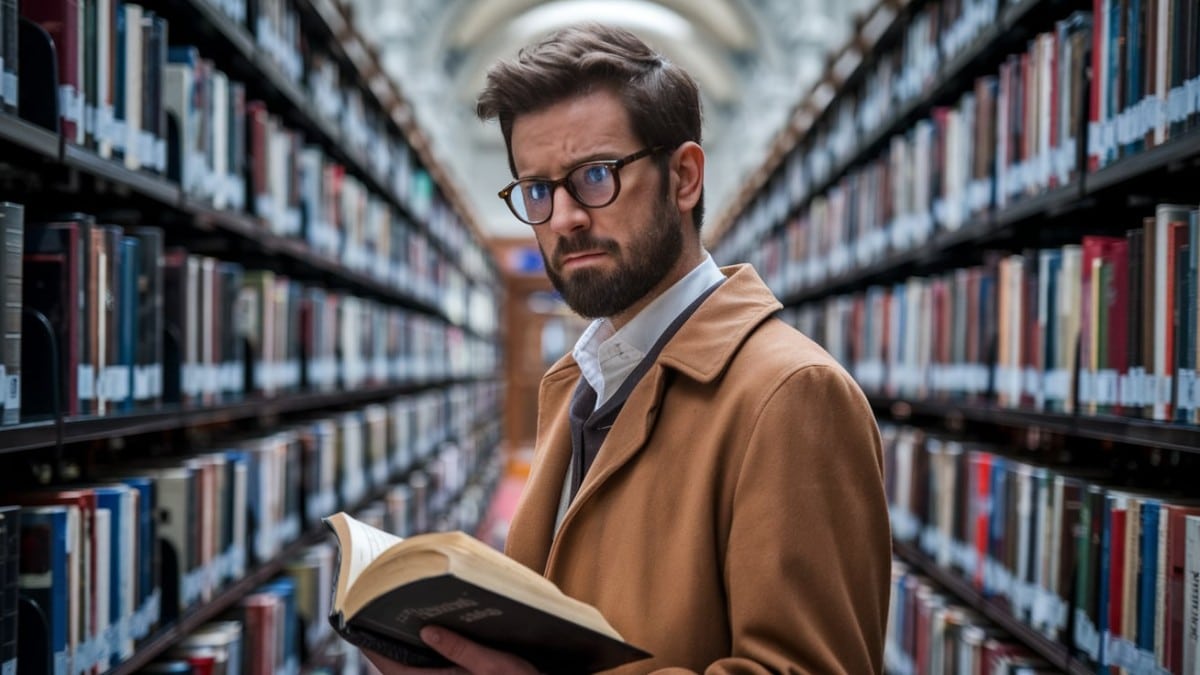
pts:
[258, 129]
[1116, 563]
[981, 511]
[60, 18]
[1176, 549]
[1117, 296]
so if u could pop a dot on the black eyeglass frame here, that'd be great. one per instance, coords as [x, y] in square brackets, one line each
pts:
[614, 165]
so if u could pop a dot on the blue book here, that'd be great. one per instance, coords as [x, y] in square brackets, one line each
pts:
[997, 527]
[127, 321]
[1148, 591]
[48, 534]
[1116, 78]
[1134, 57]
[148, 595]
[1050, 263]
[285, 589]
[118, 500]
[118, 80]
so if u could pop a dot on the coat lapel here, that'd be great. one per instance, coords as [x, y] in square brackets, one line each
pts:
[700, 350]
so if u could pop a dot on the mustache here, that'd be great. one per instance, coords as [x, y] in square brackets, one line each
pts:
[582, 242]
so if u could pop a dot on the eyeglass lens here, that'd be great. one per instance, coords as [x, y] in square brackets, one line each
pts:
[592, 185]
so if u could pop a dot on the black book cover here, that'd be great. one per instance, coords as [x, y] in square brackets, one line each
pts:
[10, 547]
[390, 626]
[1134, 320]
[149, 334]
[10, 23]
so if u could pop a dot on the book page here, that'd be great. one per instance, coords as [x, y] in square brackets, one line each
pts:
[368, 543]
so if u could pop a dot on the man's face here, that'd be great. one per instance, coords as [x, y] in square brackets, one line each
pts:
[604, 260]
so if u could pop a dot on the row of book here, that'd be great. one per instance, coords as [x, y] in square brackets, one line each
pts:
[1013, 135]
[1109, 570]
[105, 562]
[1146, 92]
[930, 632]
[1105, 326]
[283, 627]
[227, 150]
[137, 323]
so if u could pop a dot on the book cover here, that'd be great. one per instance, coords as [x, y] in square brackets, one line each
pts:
[9, 74]
[49, 535]
[1173, 516]
[52, 286]
[61, 20]
[148, 324]
[1191, 592]
[10, 580]
[523, 613]
[12, 228]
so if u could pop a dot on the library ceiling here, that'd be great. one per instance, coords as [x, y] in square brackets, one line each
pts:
[751, 57]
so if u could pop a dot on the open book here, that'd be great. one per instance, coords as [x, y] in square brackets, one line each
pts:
[388, 588]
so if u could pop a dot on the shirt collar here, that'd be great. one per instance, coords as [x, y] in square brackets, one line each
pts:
[605, 356]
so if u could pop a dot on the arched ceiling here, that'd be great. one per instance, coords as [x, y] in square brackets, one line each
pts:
[752, 59]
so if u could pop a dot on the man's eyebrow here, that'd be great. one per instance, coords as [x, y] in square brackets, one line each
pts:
[599, 156]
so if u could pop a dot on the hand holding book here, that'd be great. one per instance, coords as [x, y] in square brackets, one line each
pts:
[469, 656]
[389, 591]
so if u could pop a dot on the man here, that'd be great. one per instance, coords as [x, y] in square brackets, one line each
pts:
[705, 475]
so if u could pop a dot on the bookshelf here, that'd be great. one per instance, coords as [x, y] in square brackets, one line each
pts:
[327, 333]
[950, 213]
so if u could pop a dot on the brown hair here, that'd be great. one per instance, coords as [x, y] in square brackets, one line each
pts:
[662, 100]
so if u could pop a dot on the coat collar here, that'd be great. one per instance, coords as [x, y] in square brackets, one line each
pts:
[705, 344]
[701, 350]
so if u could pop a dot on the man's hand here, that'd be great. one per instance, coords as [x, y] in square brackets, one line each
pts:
[471, 658]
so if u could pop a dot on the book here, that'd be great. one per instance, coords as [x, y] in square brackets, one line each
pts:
[387, 588]
[12, 229]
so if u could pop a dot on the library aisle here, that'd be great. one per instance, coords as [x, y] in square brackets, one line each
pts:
[255, 273]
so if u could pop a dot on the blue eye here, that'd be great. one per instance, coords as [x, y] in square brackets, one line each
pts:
[596, 174]
[537, 191]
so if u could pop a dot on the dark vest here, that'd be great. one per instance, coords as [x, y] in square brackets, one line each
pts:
[590, 427]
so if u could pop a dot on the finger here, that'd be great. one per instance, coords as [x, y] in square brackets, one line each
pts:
[472, 656]
[387, 666]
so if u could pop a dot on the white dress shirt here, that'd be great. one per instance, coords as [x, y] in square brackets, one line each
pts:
[607, 356]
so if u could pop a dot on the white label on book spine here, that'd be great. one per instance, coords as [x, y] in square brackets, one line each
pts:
[1184, 390]
[86, 377]
[11, 89]
[61, 662]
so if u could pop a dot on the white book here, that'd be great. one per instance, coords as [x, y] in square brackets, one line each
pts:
[1191, 598]
[133, 85]
[219, 143]
[1160, 313]
[102, 590]
[1162, 61]
[178, 81]
[104, 85]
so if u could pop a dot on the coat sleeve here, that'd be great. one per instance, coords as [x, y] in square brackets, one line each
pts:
[808, 562]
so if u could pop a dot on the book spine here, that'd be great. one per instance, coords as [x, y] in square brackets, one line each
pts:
[1191, 594]
[12, 225]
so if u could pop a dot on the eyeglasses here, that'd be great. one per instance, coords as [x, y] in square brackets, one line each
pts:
[592, 184]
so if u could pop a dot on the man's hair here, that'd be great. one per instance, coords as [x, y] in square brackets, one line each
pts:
[662, 100]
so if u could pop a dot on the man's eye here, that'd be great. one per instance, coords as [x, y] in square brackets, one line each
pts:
[595, 174]
[537, 191]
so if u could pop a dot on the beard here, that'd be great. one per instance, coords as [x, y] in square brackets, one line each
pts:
[640, 266]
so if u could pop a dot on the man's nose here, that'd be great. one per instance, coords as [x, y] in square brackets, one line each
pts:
[567, 214]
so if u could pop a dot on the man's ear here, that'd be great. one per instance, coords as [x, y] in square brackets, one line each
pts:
[687, 173]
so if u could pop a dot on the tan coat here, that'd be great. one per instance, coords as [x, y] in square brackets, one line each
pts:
[735, 519]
